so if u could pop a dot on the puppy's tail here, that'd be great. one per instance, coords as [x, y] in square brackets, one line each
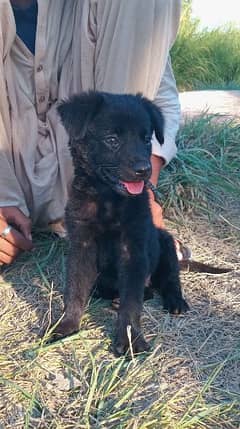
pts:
[199, 267]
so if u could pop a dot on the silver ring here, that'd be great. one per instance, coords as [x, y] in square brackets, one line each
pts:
[6, 231]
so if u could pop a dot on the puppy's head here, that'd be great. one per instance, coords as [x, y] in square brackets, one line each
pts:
[110, 137]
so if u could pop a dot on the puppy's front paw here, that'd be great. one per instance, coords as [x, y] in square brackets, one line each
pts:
[65, 328]
[175, 304]
[122, 343]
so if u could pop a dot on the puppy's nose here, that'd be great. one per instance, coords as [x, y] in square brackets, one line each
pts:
[142, 169]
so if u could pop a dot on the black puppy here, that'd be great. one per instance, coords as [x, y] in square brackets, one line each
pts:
[114, 246]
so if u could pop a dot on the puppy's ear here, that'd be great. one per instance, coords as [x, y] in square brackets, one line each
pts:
[156, 118]
[77, 112]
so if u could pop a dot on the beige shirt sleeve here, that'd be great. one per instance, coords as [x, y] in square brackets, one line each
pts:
[10, 190]
[168, 100]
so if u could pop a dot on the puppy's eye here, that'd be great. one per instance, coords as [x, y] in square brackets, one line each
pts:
[112, 142]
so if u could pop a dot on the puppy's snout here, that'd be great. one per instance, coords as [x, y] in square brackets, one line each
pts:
[142, 170]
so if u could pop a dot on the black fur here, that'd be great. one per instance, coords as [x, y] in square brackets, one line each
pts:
[114, 246]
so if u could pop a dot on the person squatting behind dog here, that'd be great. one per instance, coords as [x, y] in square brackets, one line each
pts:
[49, 50]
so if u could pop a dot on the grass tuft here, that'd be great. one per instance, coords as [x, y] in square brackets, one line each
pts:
[205, 176]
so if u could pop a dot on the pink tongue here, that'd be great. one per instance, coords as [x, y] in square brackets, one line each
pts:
[134, 187]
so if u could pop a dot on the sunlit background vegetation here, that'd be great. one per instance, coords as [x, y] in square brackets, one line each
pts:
[206, 58]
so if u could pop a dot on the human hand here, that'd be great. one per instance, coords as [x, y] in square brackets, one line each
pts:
[17, 237]
[156, 209]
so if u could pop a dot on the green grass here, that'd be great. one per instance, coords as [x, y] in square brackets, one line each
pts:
[205, 175]
[190, 379]
[204, 59]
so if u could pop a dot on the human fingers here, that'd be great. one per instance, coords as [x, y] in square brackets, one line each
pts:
[16, 238]
[7, 259]
[15, 217]
[8, 248]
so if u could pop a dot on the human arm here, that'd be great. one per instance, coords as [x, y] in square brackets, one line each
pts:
[13, 209]
[167, 99]
[157, 213]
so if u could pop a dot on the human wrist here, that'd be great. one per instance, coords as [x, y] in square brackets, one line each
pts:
[150, 195]
[157, 164]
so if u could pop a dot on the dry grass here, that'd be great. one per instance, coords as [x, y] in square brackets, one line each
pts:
[189, 380]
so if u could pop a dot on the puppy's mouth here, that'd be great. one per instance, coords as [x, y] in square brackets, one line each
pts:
[123, 187]
[133, 188]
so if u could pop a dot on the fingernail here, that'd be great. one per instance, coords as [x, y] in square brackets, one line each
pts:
[30, 237]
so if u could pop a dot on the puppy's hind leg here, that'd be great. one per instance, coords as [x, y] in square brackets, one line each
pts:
[166, 278]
